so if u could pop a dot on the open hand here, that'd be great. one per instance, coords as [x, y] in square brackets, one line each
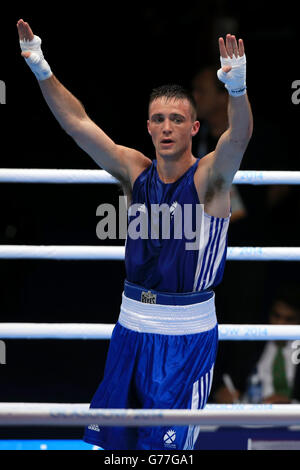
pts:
[25, 34]
[230, 48]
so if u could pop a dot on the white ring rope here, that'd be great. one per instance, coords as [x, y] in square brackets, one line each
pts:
[53, 414]
[65, 414]
[81, 252]
[64, 252]
[103, 331]
[56, 330]
[36, 175]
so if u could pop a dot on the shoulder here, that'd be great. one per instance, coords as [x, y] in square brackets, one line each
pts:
[133, 157]
[136, 163]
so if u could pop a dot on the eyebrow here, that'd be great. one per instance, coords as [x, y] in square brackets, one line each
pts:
[172, 115]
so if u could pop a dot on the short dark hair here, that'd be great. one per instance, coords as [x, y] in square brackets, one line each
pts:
[174, 91]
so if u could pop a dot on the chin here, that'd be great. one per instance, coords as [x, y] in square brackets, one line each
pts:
[167, 154]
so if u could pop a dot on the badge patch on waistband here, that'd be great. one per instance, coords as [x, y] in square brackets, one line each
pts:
[148, 297]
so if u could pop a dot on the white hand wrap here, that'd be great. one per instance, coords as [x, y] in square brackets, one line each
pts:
[36, 61]
[235, 80]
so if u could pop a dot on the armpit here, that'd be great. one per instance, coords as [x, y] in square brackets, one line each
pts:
[215, 185]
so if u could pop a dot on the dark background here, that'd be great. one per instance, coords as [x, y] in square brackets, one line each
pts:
[110, 58]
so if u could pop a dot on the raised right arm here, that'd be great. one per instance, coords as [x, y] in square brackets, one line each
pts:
[123, 163]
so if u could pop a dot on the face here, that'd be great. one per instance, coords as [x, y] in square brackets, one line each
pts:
[171, 126]
[283, 314]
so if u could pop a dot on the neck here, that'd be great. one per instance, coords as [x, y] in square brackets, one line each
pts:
[171, 168]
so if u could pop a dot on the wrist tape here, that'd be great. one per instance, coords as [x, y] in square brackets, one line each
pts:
[36, 61]
[235, 80]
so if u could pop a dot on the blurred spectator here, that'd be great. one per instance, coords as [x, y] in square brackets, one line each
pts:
[269, 372]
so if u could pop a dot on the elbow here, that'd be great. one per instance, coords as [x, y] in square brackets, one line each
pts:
[72, 128]
[68, 127]
[250, 130]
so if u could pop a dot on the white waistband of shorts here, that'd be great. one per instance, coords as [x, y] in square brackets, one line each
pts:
[168, 319]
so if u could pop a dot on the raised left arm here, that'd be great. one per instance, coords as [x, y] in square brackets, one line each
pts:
[233, 142]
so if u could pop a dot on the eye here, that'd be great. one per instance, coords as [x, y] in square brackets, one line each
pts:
[157, 118]
[177, 119]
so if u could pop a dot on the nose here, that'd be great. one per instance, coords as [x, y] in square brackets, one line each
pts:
[167, 128]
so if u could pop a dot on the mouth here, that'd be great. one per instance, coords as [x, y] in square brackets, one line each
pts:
[167, 141]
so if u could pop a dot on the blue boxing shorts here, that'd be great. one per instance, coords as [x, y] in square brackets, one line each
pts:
[161, 356]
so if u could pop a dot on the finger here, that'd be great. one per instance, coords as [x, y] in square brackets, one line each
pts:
[229, 47]
[241, 47]
[26, 54]
[223, 52]
[25, 32]
[234, 46]
[226, 68]
[20, 30]
[29, 32]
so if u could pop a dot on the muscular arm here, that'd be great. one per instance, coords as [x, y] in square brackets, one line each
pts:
[218, 168]
[123, 163]
[233, 143]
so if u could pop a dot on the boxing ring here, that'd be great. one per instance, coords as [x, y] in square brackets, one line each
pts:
[65, 414]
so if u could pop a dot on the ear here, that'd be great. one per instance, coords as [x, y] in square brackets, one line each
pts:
[148, 127]
[195, 128]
